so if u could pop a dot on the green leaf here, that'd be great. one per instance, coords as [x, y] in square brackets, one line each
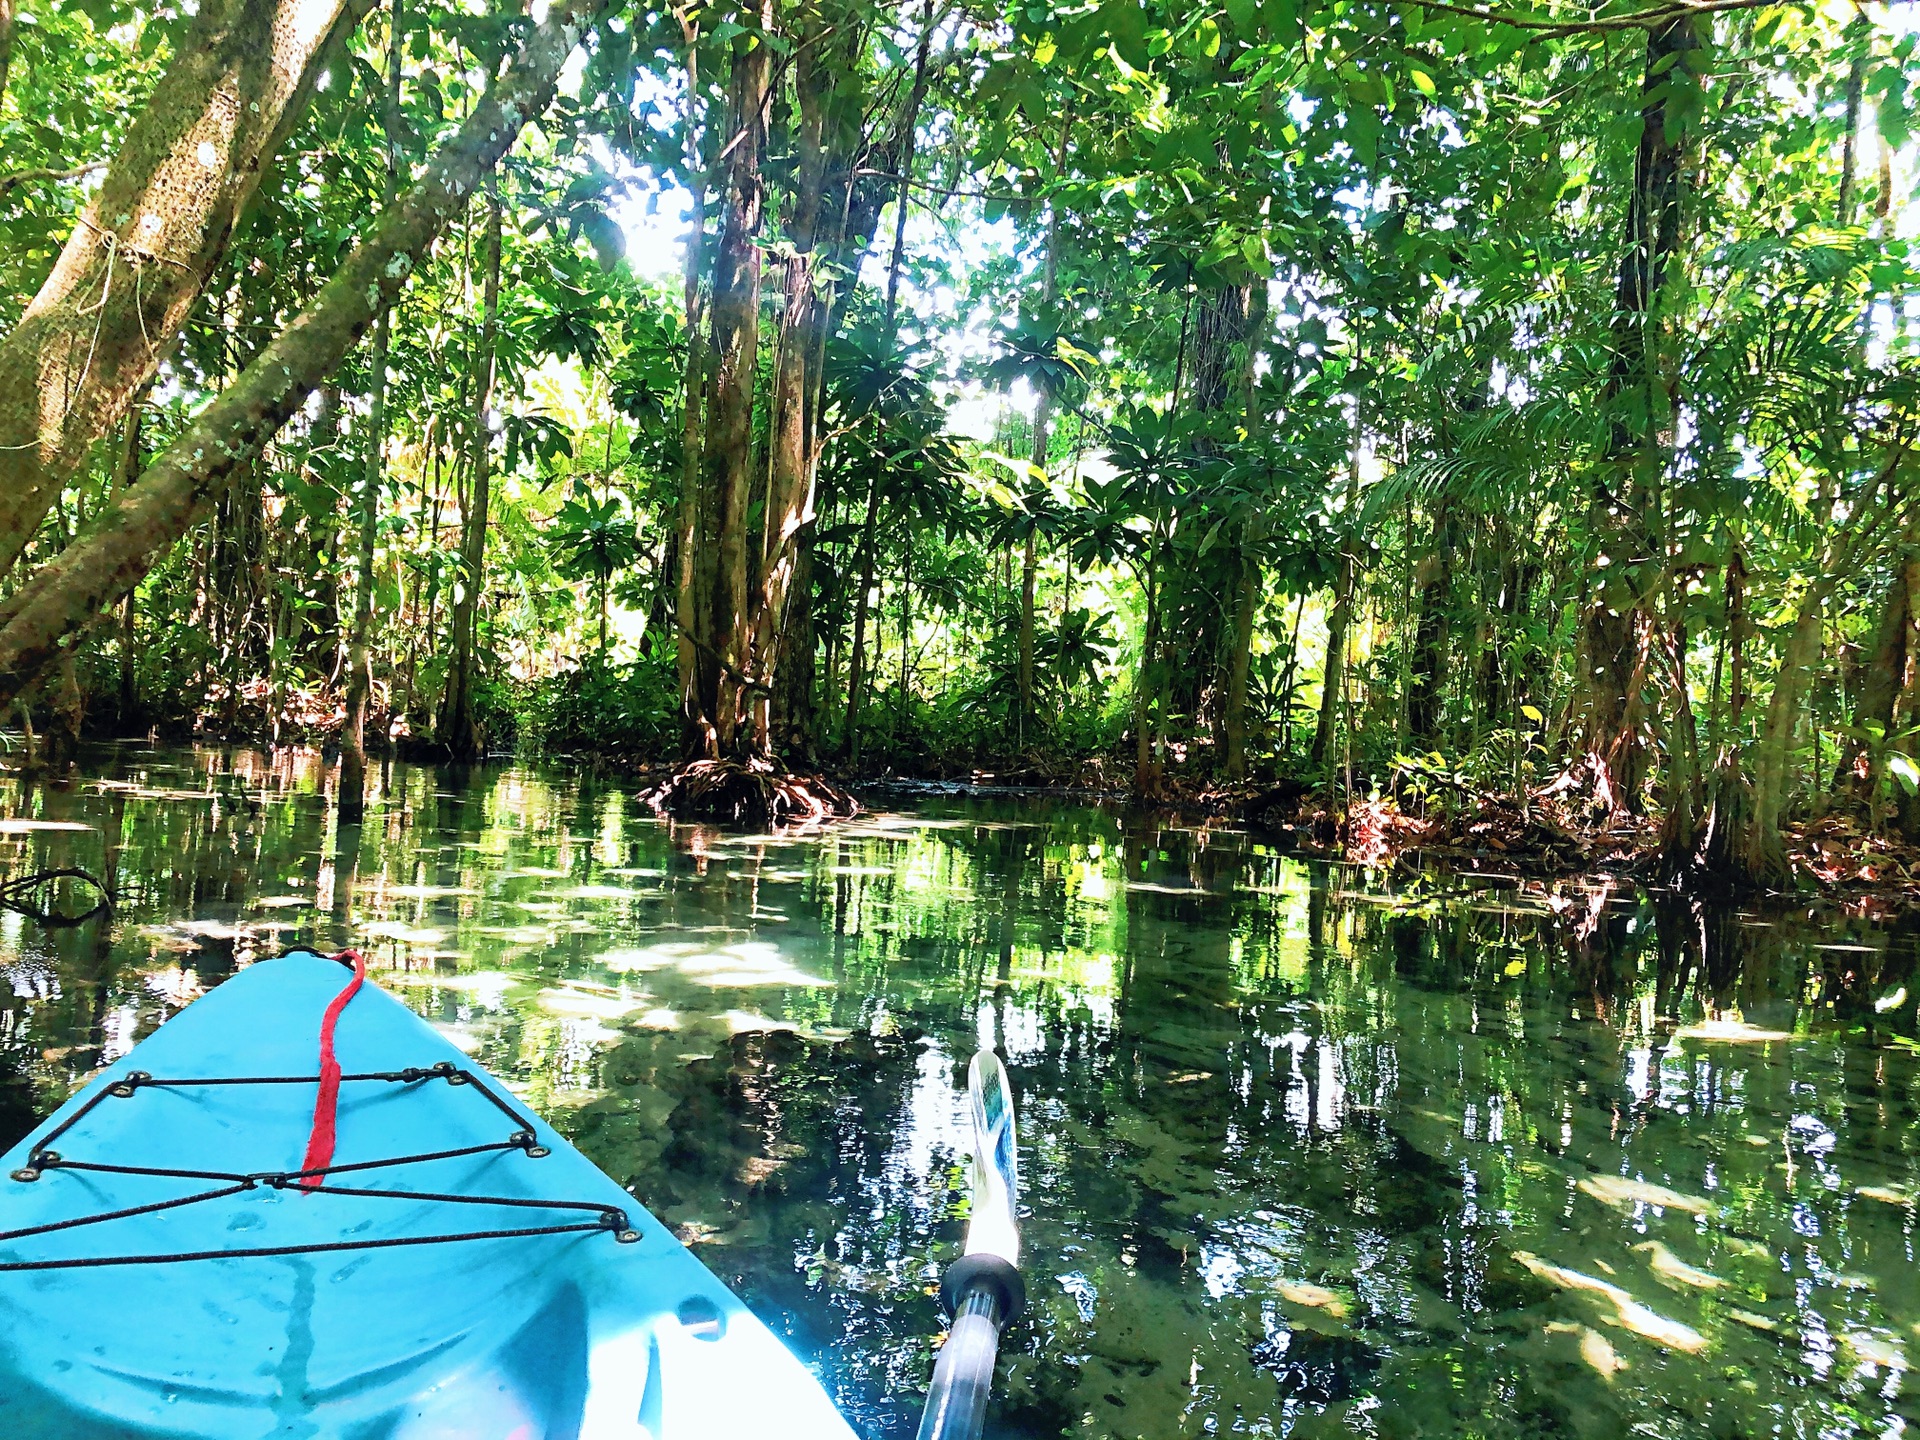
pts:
[1905, 771]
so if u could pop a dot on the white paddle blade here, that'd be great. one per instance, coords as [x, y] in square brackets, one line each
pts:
[995, 1227]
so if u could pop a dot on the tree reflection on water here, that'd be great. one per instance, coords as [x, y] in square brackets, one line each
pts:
[1305, 1151]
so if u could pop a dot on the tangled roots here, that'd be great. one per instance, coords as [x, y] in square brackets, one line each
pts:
[750, 793]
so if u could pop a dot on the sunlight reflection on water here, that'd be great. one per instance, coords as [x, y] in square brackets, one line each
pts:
[1306, 1153]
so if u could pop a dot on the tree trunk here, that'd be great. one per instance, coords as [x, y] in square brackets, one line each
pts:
[906, 635]
[149, 239]
[129, 676]
[1617, 626]
[131, 534]
[1319, 757]
[1906, 714]
[353, 732]
[1029, 586]
[459, 727]
[1248, 591]
[697, 736]
[6, 45]
[1042, 434]
[795, 667]
[323, 535]
[1679, 830]
[1146, 783]
[1762, 850]
[793, 442]
[857, 662]
[1884, 676]
[1334, 671]
[720, 698]
[1433, 577]
[909, 137]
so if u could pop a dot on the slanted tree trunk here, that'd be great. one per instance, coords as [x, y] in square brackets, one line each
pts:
[149, 239]
[132, 533]
[353, 732]
[459, 727]
[1617, 628]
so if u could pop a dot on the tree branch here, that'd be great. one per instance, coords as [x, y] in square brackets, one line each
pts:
[28, 177]
[1645, 19]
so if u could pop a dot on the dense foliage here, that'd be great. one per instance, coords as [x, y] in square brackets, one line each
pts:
[1410, 397]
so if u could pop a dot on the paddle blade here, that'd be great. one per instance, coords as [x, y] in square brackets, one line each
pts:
[995, 1227]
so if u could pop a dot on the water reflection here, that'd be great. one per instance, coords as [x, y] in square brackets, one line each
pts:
[1305, 1154]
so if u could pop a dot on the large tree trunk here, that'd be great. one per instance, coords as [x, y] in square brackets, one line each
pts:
[149, 240]
[1618, 626]
[793, 442]
[353, 731]
[132, 533]
[696, 734]
[459, 727]
[722, 684]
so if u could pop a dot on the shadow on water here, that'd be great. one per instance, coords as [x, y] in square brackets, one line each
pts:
[1305, 1152]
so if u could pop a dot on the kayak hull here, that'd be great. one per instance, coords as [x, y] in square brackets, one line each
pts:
[613, 1331]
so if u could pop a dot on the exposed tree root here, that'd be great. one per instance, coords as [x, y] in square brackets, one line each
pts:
[754, 793]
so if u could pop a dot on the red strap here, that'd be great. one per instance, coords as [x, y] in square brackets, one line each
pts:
[320, 1142]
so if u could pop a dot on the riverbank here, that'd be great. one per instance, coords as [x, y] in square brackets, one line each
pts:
[1837, 856]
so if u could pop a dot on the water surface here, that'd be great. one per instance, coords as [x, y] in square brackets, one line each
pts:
[1306, 1153]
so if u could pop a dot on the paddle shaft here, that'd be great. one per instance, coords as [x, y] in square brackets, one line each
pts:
[963, 1375]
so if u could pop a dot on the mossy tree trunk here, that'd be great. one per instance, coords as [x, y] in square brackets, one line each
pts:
[149, 240]
[143, 522]
[1617, 630]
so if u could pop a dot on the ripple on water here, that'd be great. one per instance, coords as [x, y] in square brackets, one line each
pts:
[1304, 1153]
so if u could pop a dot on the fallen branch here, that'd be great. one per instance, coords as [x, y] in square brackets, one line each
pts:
[14, 896]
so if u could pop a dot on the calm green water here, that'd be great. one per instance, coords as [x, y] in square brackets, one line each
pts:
[1304, 1154]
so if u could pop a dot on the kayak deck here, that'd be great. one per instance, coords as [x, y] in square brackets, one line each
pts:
[459, 1270]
